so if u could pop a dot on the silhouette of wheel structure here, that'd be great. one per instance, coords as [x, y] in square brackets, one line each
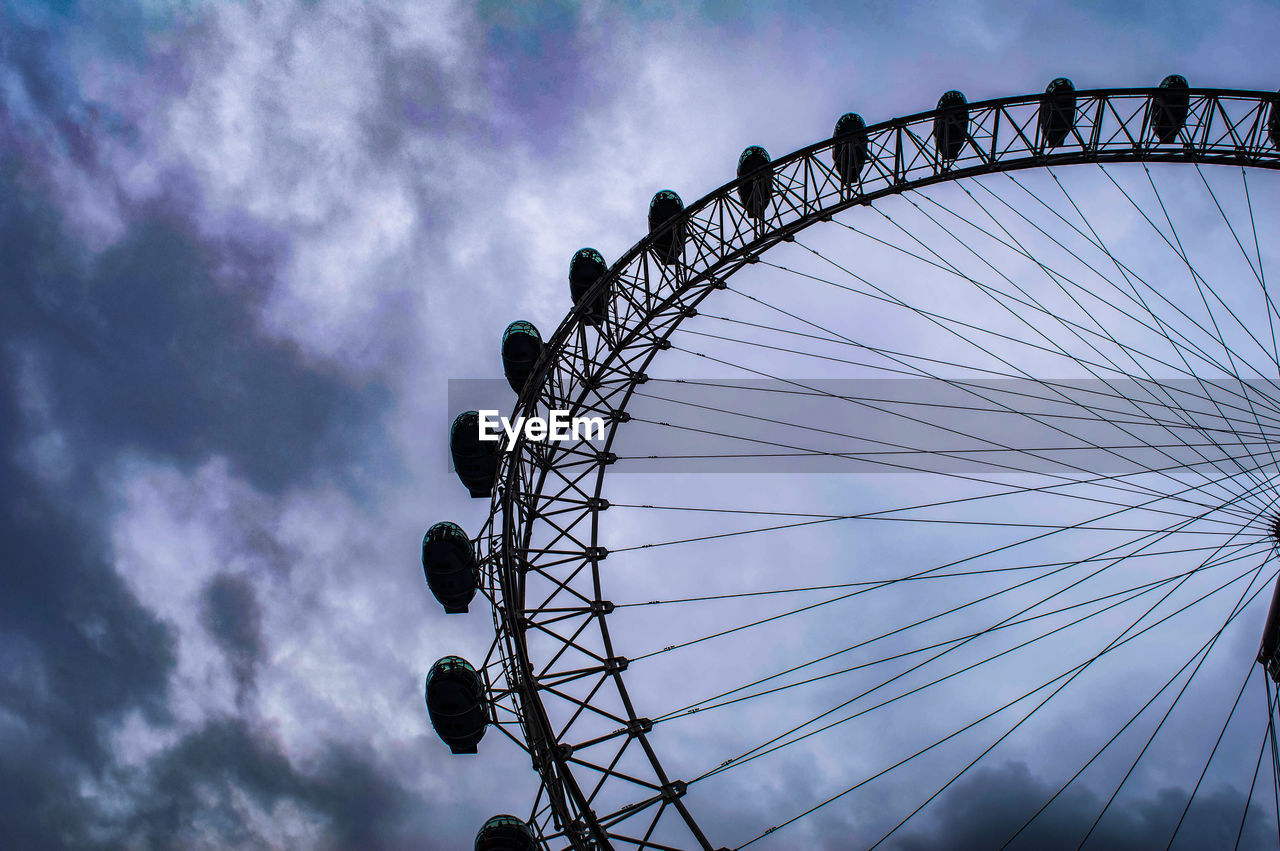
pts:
[1025, 353]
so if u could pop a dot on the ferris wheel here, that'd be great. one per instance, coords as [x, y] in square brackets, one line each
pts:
[1026, 353]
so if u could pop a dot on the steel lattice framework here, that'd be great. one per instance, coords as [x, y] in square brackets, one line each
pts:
[539, 550]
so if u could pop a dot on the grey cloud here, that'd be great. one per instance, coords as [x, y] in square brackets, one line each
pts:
[39, 809]
[85, 650]
[153, 344]
[192, 791]
[144, 349]
[233, 617]
[79, 652]
[984, 811]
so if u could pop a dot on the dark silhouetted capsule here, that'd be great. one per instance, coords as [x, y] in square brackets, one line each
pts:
[474, 460]
[755, 193]
[850, 150]
[1273, 125]
[1057, 112]
[587, 267]
[521, 345]
[669, 244]
[951, 124]
[1169, 108]
[449, 561]
[505, 833]
[456, 704]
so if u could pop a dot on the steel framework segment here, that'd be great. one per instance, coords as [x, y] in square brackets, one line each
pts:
[542, 562]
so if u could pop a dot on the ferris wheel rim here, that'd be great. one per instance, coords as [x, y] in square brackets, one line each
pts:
[510, 514]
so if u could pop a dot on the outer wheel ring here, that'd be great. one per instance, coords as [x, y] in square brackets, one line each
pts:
[551, 493]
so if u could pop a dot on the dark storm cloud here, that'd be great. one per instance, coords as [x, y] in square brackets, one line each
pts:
[192, 794]
[152, 344]
[39, 809]
[233, 617]
[985, 810]
[142, 349]
[78, 652]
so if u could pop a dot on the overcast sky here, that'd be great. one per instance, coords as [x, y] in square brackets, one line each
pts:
[246, 244]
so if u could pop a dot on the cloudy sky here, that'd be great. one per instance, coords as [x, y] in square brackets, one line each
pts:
[246, 244]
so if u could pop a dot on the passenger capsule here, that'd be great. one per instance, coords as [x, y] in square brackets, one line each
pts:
[456, 704]
[521, 345]
[1273, 126]
[449, 562]
[665, 206]
[1169, 108]
[756, 193]
[474, 460]
[951, 125]
[505, 833]
[1057, 112]
[850, 150]
[587, 267]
